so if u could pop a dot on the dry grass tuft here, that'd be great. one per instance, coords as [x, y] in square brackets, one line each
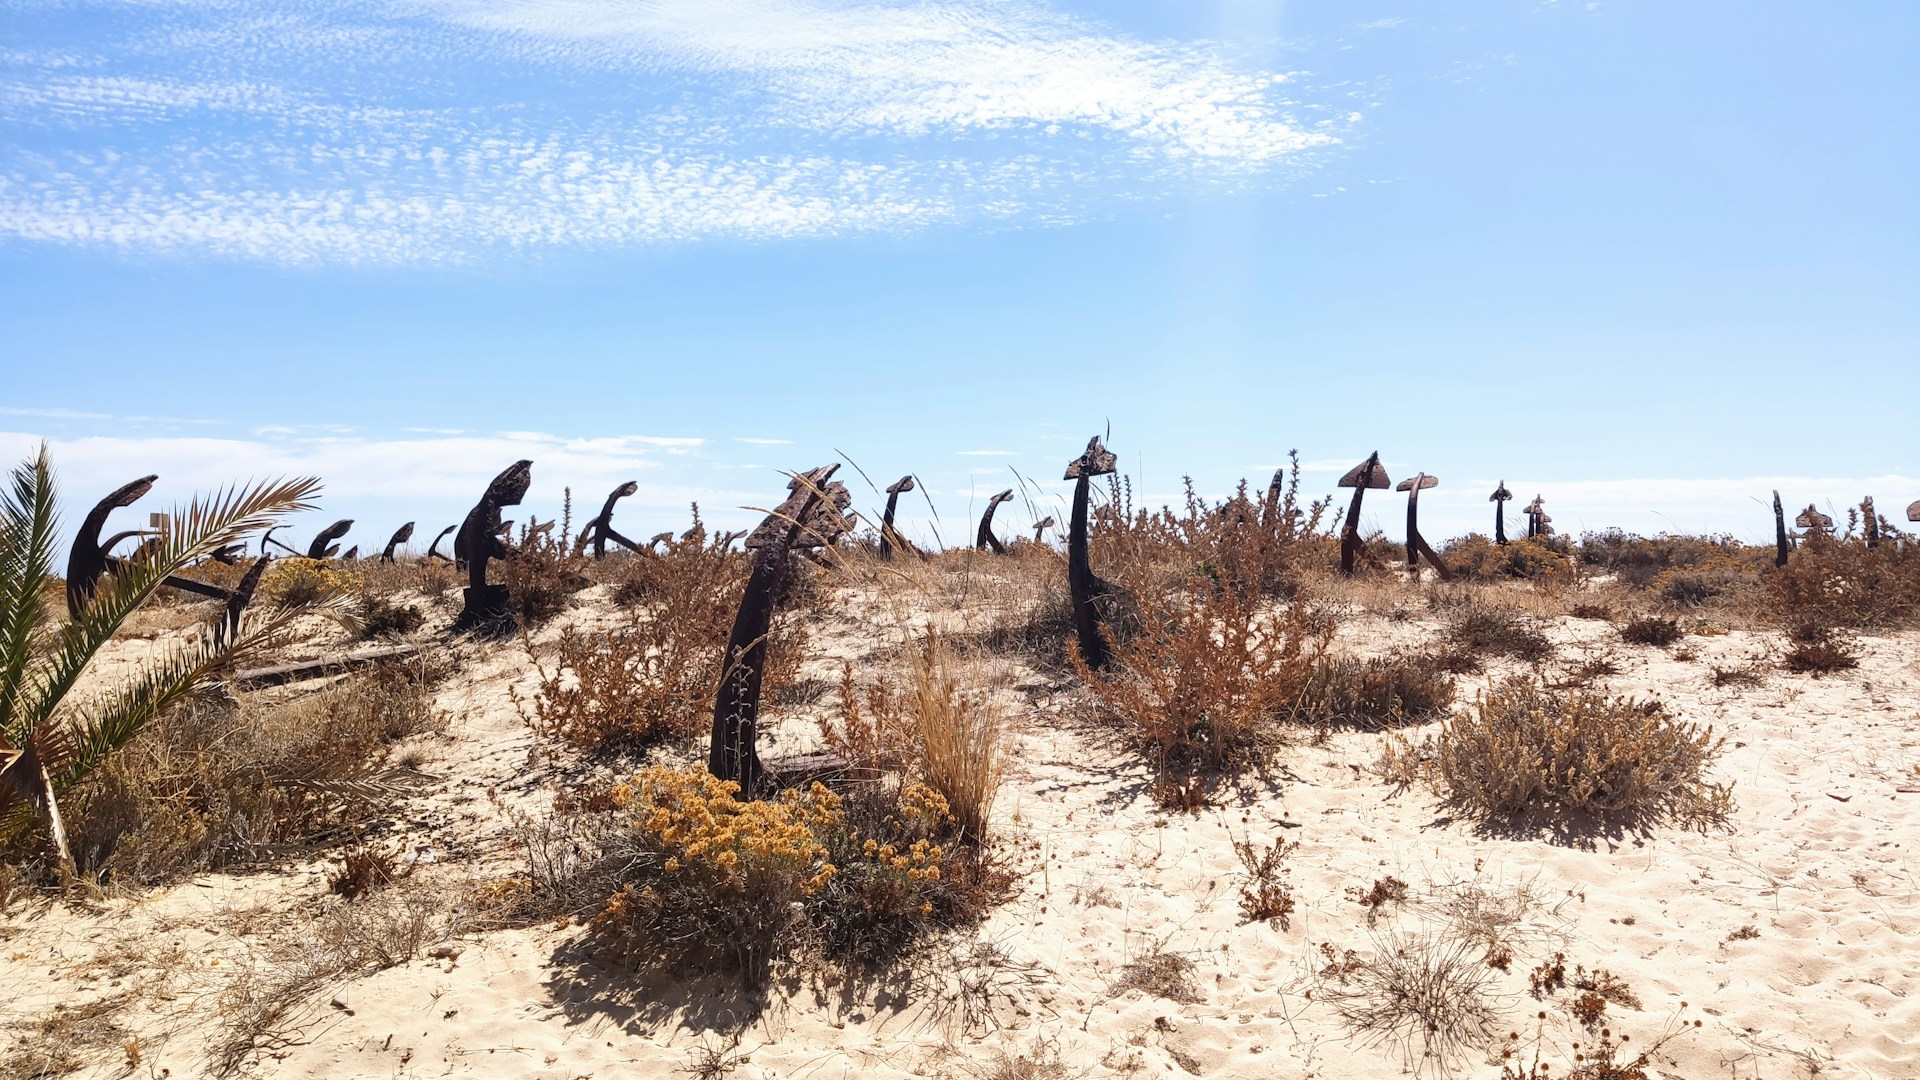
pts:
[1524, 749]
[1426, 992]
[1651, 630]
[1161, 974]
[1374, 693]
[1817, 650]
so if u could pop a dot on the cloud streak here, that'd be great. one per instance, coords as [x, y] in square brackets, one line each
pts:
[445, 130]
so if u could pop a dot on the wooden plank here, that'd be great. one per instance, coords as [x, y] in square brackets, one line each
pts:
[326, 665]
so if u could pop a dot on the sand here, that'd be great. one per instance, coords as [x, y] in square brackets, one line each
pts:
[1792, 936]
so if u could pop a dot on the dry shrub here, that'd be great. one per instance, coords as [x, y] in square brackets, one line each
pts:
[1376, 692]
[1485, 629]
[1818, 650]
[932, 731]
[384, 618]
[1162, 974]
[1593, 611]
[1651, 630]
[1200, 687]
[221, 783]
[1523, 748]
[1424, 991]
[710, 882]
[1476, 558]
[363, 868]
[541, 572]
[1266, 895]
[68, 1038]
[1832, 582]
[294, 581]
[629, 687]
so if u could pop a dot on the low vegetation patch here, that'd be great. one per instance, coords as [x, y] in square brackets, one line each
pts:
[1651, 630]
[1376, 692]
[1524, 749]
[1487, 630]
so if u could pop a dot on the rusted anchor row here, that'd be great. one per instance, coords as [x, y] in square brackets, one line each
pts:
[1367, 474]
[985, 538]
[1499, 499]
[400, 536]
[88, 558]
[1087, 589]
[889, 539]
[600, 529]
[1537, 519]
[486, 606]
[811, 505]
[1417, 544]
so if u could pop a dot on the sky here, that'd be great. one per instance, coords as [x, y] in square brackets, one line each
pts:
[1648, 260]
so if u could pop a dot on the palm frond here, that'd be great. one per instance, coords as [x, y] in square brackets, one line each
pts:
[27, 529]
[203, 527]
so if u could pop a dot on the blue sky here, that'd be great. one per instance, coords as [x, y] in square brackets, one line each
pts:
[1646, 259]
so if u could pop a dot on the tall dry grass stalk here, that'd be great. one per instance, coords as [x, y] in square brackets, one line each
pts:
[959, 733]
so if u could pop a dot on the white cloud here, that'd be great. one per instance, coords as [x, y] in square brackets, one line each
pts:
[762, 442]
[304, 133]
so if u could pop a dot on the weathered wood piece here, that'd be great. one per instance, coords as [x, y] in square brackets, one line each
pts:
[1367, 474]
[1779, 531]
[1499, 499]
[326, 665]
[984, 538]
[323, 545]
[731, 752]
[400, 536]
[889, 539]
[1087, 589]
[1416, 543]
[486, 608]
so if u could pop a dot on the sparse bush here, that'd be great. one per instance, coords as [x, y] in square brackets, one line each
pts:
[1266, 895]
[386, 618]
[363, 868]
[1497, 631]
[1835, 583]
[1477, 558]
[1374, 692]
[541, 572]
[1651, 630]
[1426, 992]
[223, 784]
[1162, 974]
[1200, 687]
[1523, 748]
[1818, 650]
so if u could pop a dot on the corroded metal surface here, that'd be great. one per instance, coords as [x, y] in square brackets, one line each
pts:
[1368, 474]
[400, 536]
[1087, 588]
[479, 542]
[984, 538]
[731, 751]
[323, 545]
[1499, 499]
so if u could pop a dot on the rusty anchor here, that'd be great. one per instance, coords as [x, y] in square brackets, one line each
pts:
[1367, 474]
[486, 608]
[984, 538]
[889, 538]
[1087, 589]
[1040, 528]
[810, 505]
[433, 549]
[400, 536]
[600, 529]
[323, 546]
[1417, 544]
[87, 559]
[1500, 497]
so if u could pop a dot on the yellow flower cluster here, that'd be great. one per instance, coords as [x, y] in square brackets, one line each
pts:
[921, 860]
[302, 581]
[703, 828]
